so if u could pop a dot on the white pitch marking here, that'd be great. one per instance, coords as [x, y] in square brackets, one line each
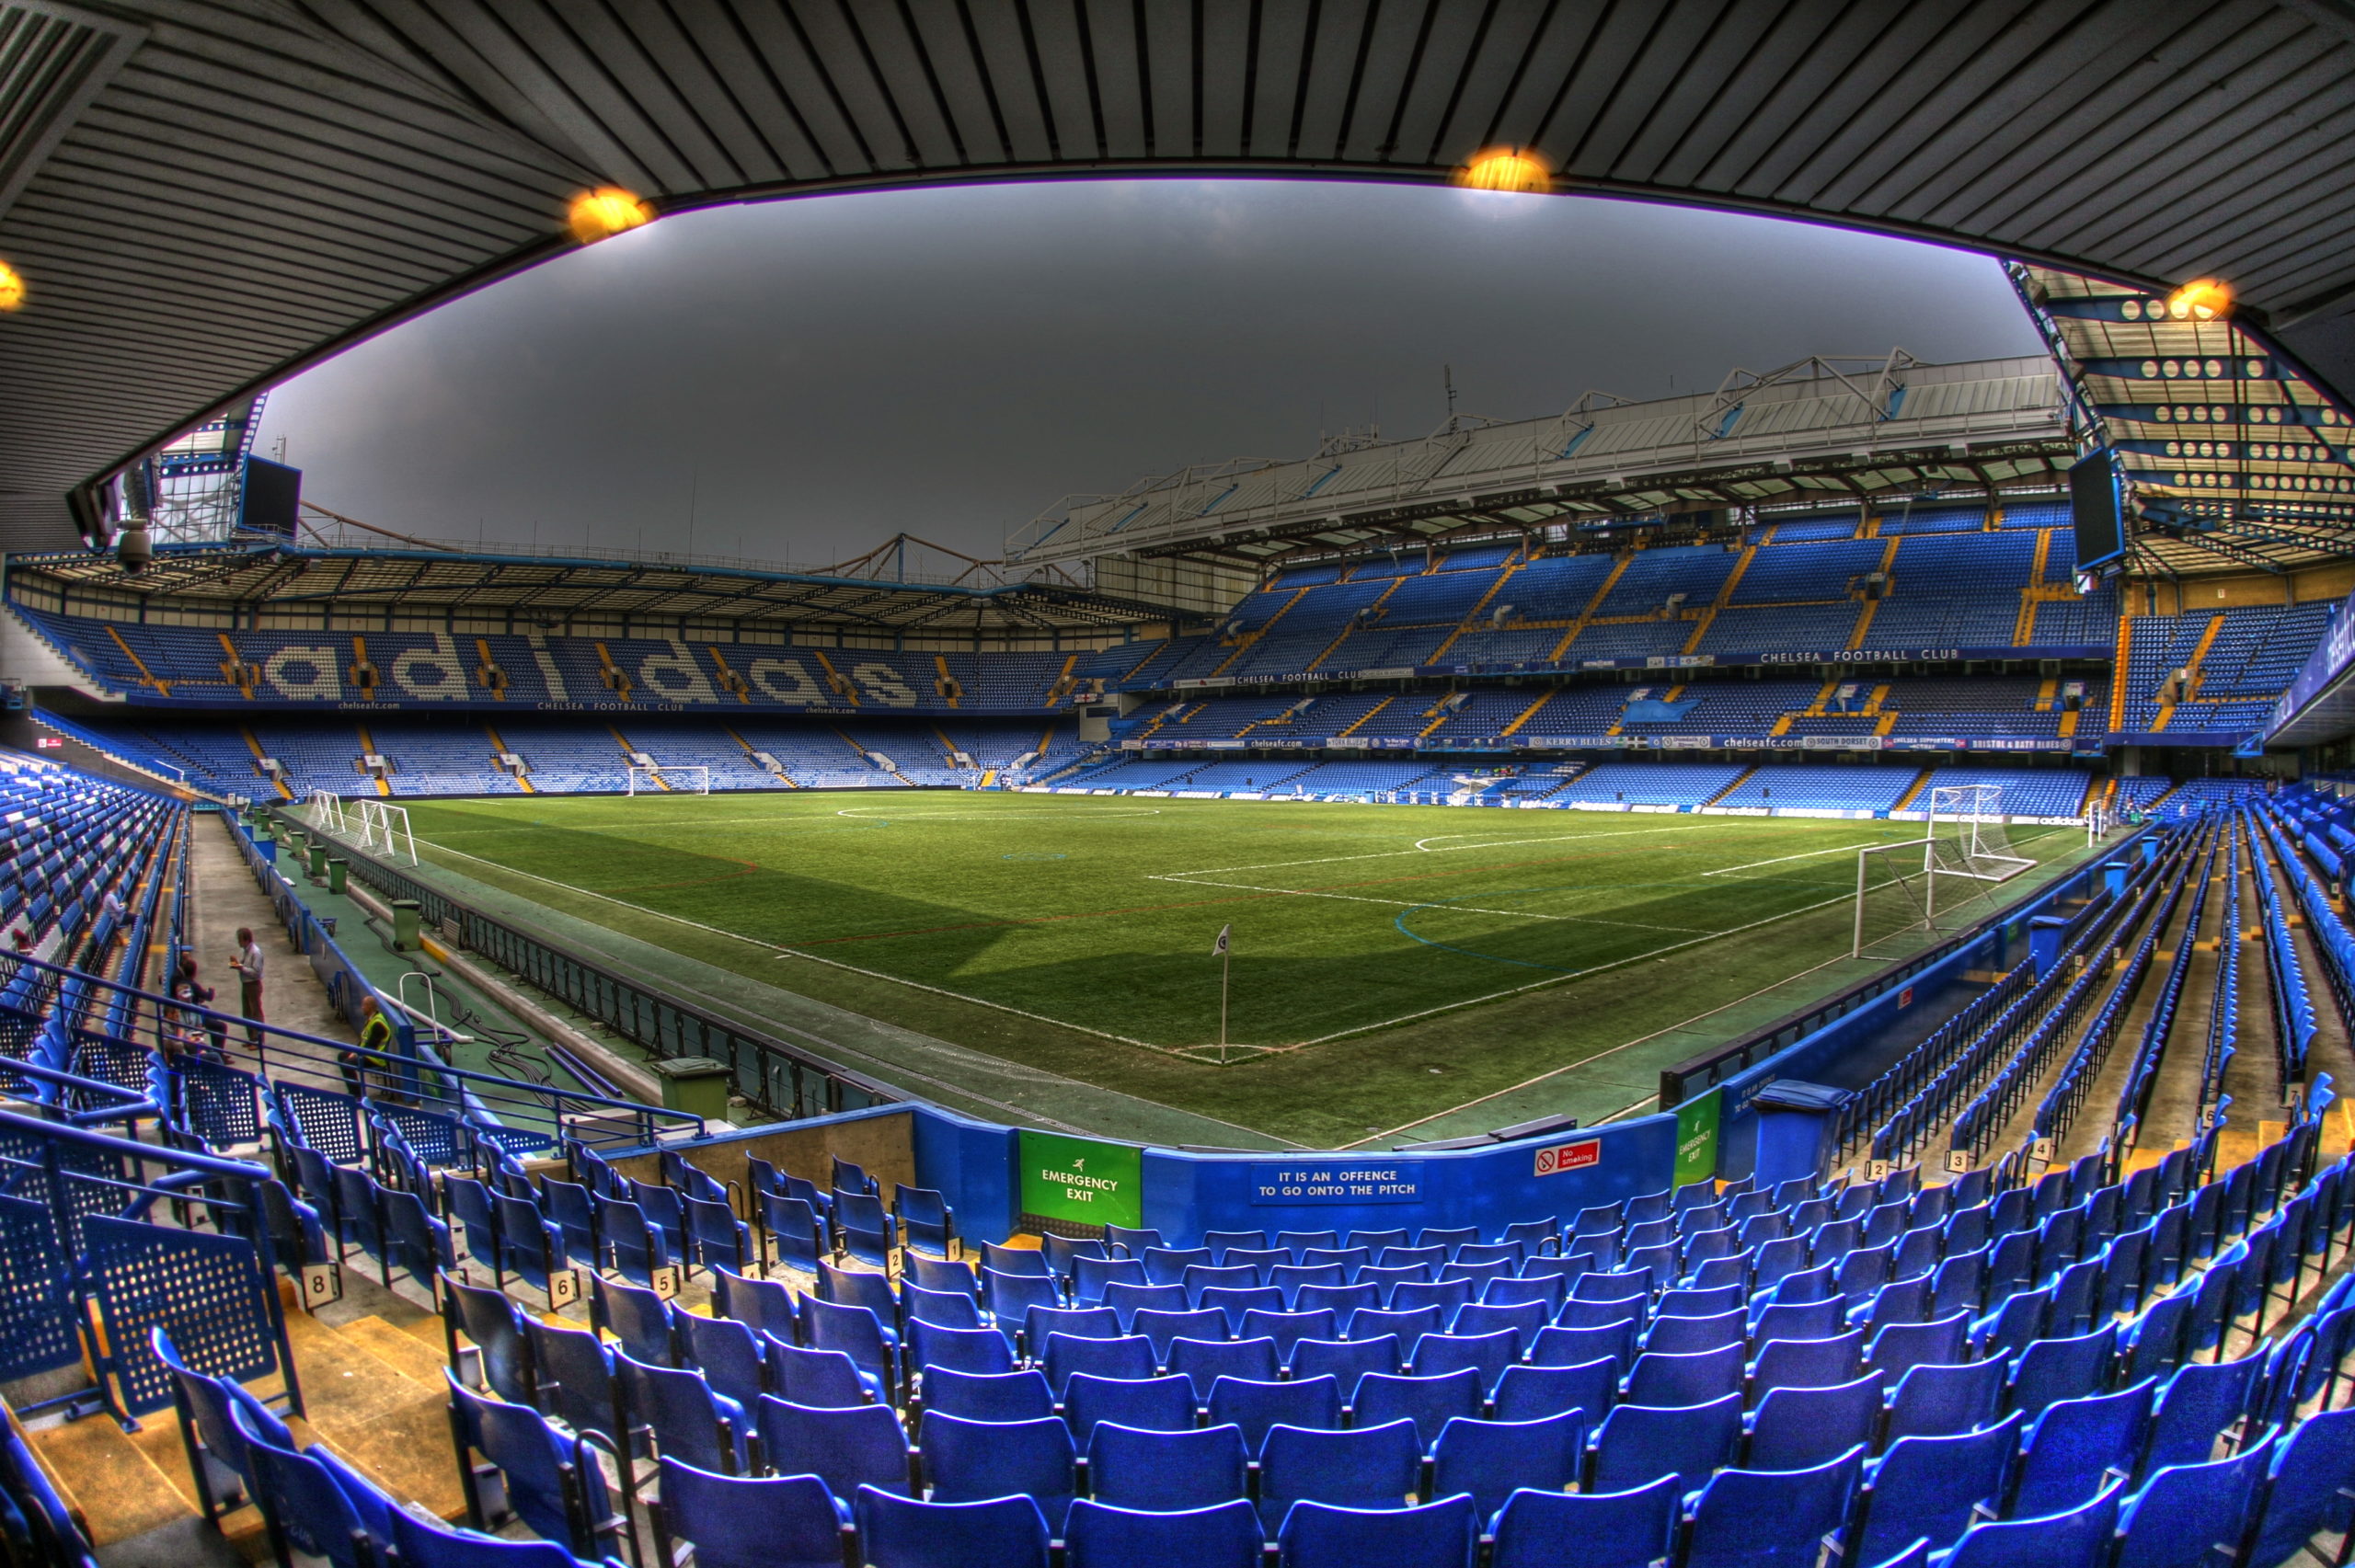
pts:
[1419, 849]
[885, 814]
[1836, 848]
[1428, 903]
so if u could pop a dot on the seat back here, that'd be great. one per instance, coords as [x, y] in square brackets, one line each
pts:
[854, 1447]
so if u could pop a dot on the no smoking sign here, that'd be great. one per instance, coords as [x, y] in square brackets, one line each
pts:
[1564, 1157]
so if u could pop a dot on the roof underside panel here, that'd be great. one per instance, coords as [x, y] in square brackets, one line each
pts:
[205, 194]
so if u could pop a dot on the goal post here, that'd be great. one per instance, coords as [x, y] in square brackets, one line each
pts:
[1964, 835]
[326, 811]
[384, 827]
[672, 778]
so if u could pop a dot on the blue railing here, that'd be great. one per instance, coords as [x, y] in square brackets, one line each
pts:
[158, 1031]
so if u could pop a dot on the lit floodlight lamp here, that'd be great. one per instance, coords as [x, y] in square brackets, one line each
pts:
[2202, 299]
[605, 212]
[1505, 168]
[12, 287]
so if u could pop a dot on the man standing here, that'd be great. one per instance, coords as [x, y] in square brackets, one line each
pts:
[248, 965]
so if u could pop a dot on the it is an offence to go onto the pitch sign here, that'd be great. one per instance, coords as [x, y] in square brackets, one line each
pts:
[1316, 1182]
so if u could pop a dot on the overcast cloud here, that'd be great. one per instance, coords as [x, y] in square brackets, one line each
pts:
[800, 379]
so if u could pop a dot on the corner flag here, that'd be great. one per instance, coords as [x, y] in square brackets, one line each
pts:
[1218, 948]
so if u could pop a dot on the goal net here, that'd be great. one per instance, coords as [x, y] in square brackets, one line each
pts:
[1964, 853]
[380, 828]
[672, 778]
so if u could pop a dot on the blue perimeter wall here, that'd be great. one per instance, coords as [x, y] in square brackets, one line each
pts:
[975, 1164]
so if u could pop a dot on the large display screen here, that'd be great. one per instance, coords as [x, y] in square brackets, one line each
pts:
[267, 502]
[2097, 508]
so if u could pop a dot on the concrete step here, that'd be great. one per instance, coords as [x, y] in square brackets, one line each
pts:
[373, 1394]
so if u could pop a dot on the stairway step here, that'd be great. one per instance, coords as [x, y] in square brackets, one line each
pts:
[393, 1427]
[122, 1484]
[405, 1353]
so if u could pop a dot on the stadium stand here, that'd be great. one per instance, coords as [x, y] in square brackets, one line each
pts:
[2147, 1339]
[1949, 603]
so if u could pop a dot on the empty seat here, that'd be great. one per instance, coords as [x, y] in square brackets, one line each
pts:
[1752, 1519]
[1167, 1471]
[1365, 1466]
[1159, 1404]
[1225, 1535]
[1437, 1535]
[1490, 1460]
[1589, 1530]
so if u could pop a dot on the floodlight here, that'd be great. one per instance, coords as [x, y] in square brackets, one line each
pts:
[1505, 168]
[2202, 299]
[605, 212]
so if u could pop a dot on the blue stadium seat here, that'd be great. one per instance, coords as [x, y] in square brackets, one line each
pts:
[1636, 1444]
[1428, 1402]
[1127, 1357]
[989, 1396]
[1253, 1407]
[1800, 1428]
[2077, 1538]
[1933, 1487]
[1223, 1534]
[1156, 1404]
[971, 1461]
[1596, 1530]
[1490, 1460]
[2186, 1515]
[1785, 1519]
[1167, 1471]
[1364, 1467]
[897, 1531]
[1444, 1534]
[750, 1522]
[848, 1447]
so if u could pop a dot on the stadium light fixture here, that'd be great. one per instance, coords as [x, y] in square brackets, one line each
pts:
[12, 287]
[1505, 168]
[605, 212]
[2202, 299]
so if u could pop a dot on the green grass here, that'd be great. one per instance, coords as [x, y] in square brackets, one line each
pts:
[1389, 962]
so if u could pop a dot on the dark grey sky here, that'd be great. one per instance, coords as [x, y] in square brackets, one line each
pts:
[816, 375]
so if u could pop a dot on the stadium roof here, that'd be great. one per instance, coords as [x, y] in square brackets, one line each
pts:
[1820, 431]
[2245, 461]
[430, 581]
[205, 194]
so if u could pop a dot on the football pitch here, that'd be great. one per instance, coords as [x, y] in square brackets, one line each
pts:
[1388, 962]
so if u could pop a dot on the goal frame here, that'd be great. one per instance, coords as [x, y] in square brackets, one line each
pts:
[326, 811]
[1983, 798]
[383, 826]
[659, 774]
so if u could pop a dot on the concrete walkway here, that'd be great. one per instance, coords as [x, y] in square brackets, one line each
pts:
[223, 896]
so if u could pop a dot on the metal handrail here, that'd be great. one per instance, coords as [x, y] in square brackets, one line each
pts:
[487, 1093]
